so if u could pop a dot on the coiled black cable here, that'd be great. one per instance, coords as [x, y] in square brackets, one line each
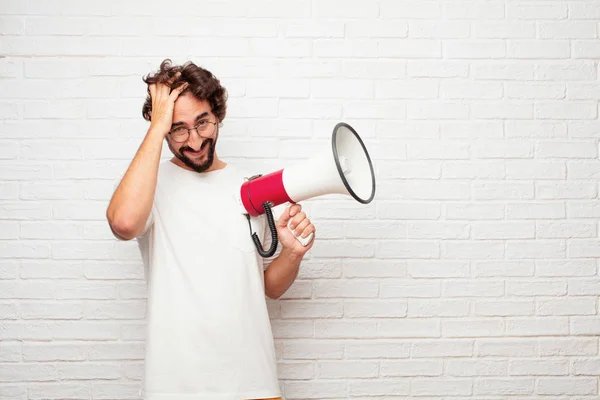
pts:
[267, 206]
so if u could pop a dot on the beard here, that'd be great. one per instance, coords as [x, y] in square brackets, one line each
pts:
[208, 144]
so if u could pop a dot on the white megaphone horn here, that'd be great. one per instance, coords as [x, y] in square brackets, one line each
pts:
[346, 168]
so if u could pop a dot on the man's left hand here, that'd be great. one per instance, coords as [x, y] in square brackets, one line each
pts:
[300, 224]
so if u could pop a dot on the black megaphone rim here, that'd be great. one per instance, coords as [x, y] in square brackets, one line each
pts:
[339, 167]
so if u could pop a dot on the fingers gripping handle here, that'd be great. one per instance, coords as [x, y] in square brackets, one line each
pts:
[305, 241]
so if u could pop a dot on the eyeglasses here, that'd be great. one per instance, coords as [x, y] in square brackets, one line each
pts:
[204, 129]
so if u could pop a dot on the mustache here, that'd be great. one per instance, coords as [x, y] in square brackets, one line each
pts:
[207, 142]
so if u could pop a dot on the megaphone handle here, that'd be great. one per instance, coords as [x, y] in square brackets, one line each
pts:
[305, 241]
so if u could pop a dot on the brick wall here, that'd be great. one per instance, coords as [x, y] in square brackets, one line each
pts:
[472, 275]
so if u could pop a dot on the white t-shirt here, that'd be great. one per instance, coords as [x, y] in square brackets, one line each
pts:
[209, 336]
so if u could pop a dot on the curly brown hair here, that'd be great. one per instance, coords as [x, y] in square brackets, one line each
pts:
[201, 83]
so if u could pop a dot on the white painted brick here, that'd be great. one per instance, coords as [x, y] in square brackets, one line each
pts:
[302, 349]
[533, 11]
[568, 71]
[476, 367]
[579, 306]
[342, 88]
[542, 248]
[504, 386]
[586, 49]
[561, 110]
[347, 369]
[311, 309]
[503, 268]
[436, 230]
[437, 110]
[409, 169]
[9, 311]
[360, 269]
[421, 249]
[503, 190]
[473, 211]
[567, 190]
[531, 129]
[409, 210]
[378, 69]
[438, 269]
[379, 387]
[410, 9]
[555, 149]
[441, 387]
[472, 328]
[474, 10]
[343, 48]
[437, 308]
[10, 352]
[417, 88]
[438, 29]
[501, 70]
[538, 49]
[579, 91]
[375, 28]
[373, 349]
[568, 347]
[503, 230]
[411, 368]
[55, 390]
[106, 391]
[409, 289]
[535, 91]
[475, 49]
[295, 370]
[538, 367]
[531, 326]
[437, 150]
[542, 210]
[536, 288]
[583, 287]
[14, 391]
[375, 309]
[345, 329]
[468, 90]
[303, 28]
[565, 268]
[513, 347]
[504, 308]
[567, 386]
[409, 328]
[270, 8]
[9, 269]
[585, 326]
[315, 389]
[566, 229]
[292, 329]
[586, 367]
[472, 250]
[428, 68]
[465, 288]
[345, 289]
[504, 149]
[504, 30]
[410, 48]
[567, 30]
[538, 170]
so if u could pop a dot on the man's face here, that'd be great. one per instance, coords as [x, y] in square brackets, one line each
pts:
[197, 153]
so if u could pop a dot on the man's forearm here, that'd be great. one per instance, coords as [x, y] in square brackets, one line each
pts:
[281, 273]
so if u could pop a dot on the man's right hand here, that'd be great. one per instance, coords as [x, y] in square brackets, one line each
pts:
[163, 104]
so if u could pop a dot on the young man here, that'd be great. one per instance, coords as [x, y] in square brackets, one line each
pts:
[209, 334]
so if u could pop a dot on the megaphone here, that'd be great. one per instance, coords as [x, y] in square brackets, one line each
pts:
[345, 168]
